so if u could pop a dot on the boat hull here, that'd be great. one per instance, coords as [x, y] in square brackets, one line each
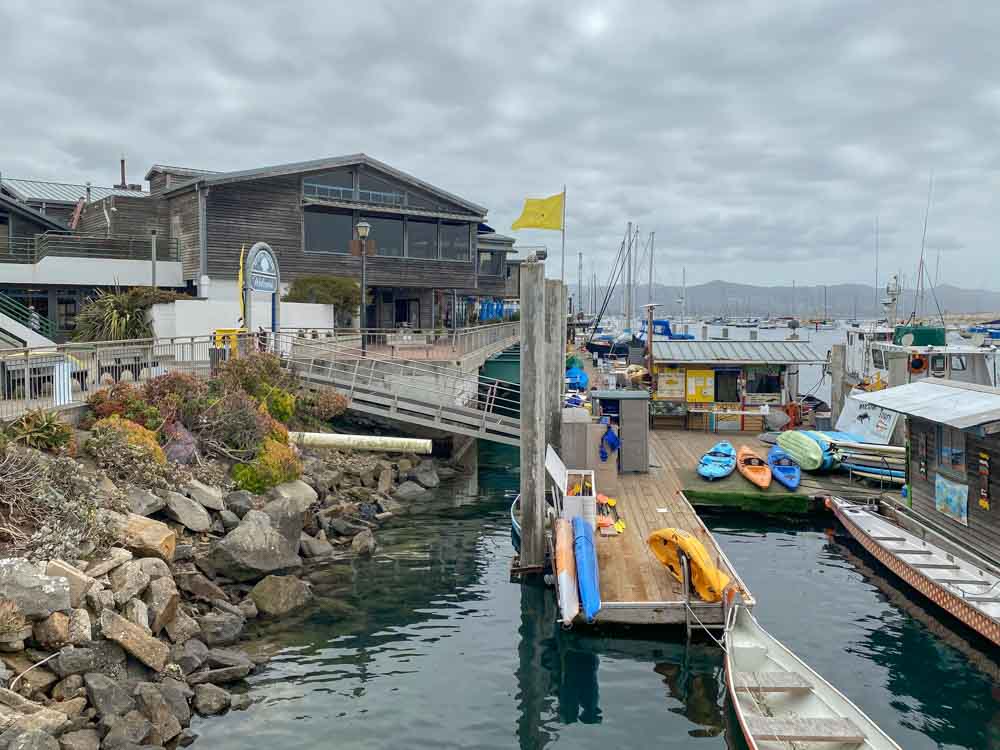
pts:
[719, 462]
[565, 567]
[789, 475]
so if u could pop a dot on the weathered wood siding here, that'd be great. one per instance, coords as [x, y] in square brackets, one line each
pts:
[183, 225]
[60, 213]
[493, 285]
[983, 531]
[134, 217]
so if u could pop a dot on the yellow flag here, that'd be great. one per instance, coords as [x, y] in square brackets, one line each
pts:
[542, 213]
[239, 288]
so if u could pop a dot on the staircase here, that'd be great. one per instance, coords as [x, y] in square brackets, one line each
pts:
[16, 329]
[411, 391]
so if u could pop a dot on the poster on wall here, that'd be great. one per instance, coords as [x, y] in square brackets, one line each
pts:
[871, 423]
[701, 386]
[670, 383]
[952, 499]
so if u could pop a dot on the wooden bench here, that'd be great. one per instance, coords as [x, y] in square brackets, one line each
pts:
[764, 728]
[771, 682]
[397, 345]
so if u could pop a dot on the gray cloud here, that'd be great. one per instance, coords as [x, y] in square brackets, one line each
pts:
[758, 140]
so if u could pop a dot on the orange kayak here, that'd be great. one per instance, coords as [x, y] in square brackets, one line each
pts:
[753, 467]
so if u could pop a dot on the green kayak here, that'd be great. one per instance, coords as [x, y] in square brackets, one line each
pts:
[805, 451]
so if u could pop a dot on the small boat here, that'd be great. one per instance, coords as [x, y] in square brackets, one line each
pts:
[883, 478]
[708, 580]
[960, 587]
[719, 462]
[565, 568]
[784, 470]
[586, 568]
[781, 703]
[753, 467]
[811, 450]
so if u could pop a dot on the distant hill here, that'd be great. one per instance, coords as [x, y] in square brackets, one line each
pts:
[842, 300]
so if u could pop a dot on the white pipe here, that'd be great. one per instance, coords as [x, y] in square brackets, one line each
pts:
[361, 442]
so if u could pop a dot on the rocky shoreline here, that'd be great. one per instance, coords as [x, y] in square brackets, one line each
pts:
[119, 651]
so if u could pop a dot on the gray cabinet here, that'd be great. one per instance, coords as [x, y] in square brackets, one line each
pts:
[630, 410]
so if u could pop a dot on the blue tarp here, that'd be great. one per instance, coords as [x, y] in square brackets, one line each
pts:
[577, 379]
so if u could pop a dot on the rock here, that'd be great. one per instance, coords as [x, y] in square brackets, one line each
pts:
[210, 700]
[296, 491]
[209, 497]
[36, 595]
[278, 595]
[149, 538]
[147, 649]
[70, 708]
[74, 661]
[108, 696]
[79, 582]
[53, 631]
[162, 599]
[181, 447]
[136, 612]
[182, 627]
[327, 480]
[389, 505]
[229, 520]
[116, 556]
[404, 465]
[128, 581]
[408, 491]
[187, 512]
[155, 568]
[217, 527]
[239, 702]
[385, 480]
[248, 608]
[142, 502]
[426, 474]
[198, 586]
[98, 598]
[34, 739]
[220, 629]
[286, 517]
[81, 629]
[446, 472]
[228, 657]
[224, 605]
[177, 694]
[316, 546]
[68, 688]
[183, 552]
[190, 655]
[153, 706]
[40, 719]
[131, 729]
[251, 550]
[364, 543]
[110, 658]
[241, 502]
[221, 675]
[83, 739]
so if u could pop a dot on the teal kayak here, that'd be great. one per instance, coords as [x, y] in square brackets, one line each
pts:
[719, 462]
[586, 568]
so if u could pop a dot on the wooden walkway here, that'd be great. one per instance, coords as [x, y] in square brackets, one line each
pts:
[635, 587]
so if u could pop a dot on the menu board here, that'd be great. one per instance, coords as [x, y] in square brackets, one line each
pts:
[700, 386]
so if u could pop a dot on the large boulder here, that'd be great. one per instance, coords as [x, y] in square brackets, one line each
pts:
[131, 637]
[52, 632]
[148, 538]
[152, 705]
[177, 694]
[408, 491]
[182, 627]
[116, 556]
[296, 491]
[197, 586]
[74, 661]
[108, 696]
[287, 518]
[187, 512]
[162, 599]
[317, 546]
[241, 502]
[81, 628]
[426, 474]
[252, 550]
[209, 497]
[36, 594]
[364, 543]
[82, 739]
[127, 731]
[143, 502]
[190, 655]
[155, 568]
[79, 582]
[278, 595]
[220, 676]
[128, 581]
[181, 447]
[220, 628]
[210, 700]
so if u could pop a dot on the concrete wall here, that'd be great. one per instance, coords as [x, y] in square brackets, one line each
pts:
[202, 316]
[30, 337]
[91, 272]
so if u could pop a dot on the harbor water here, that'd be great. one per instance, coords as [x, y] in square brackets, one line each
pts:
[429, 644]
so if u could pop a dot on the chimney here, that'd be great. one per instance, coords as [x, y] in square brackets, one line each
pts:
[123, 184]
[88, 192]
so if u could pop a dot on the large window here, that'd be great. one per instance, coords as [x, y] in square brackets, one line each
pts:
[336, 185]
[421, 239]
[387, 234]
[454, 241]
[490, 263]
[951, 450]
[763, 380]
[374, 189]
[328, 231]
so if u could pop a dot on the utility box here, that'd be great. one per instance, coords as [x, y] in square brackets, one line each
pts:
[575, 423]
[630, 410]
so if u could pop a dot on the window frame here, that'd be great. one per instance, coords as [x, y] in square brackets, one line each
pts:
[949, 466]
[306, 250]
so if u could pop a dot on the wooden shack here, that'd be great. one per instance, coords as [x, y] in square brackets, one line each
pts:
[953, 458]
[721, 385]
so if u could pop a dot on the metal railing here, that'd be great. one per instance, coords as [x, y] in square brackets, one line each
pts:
[26, 317]
[73, 245]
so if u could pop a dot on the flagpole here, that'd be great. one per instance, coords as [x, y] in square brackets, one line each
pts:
[562, 272]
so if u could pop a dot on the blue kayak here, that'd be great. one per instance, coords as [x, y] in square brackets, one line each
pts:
[586, 568]
[783, 469]
[718, 462]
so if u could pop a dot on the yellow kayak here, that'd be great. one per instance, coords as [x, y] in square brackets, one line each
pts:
[708, 580]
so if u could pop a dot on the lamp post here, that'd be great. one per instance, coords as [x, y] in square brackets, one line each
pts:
[363, 228]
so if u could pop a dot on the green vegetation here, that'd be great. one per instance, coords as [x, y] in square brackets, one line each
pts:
[325, 290]
[42, 430]
[120, 315]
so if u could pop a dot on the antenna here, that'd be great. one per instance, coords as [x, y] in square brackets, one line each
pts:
[876, 263]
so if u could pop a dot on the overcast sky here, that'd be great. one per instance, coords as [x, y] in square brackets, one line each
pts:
[744, 134]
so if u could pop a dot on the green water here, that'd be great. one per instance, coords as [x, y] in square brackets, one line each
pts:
[430, 645]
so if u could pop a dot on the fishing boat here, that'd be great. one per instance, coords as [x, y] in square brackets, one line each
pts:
[753, 467]
[586, 568]
[784, 470]
[565, 569]
[781, 703]
[963, 589]
[719, 462]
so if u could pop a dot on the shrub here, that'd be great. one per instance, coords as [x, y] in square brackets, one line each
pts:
[256, 373]
[277, 431]
[326, 290]
[43, 430]
[234, 425]
[280, 404]
[275, 464]
[178, 396]
[117, 315]
[320, 405]
[129, 453]
[125, 400]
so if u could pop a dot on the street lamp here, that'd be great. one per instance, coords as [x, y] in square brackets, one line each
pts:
[363, 228]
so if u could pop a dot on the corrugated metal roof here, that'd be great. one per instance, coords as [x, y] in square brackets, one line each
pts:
[735, 352]
[62, 192]
[958, 405]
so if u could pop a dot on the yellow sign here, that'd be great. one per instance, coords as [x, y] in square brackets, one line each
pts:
[670, 383]
[542, 213]
[700, 386]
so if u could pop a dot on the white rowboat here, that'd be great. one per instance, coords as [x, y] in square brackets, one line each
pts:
[781, 703]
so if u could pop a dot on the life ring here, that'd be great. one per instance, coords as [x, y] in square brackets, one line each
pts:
[918, 364]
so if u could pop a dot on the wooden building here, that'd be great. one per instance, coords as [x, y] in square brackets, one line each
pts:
[721, 385]
[953, 458]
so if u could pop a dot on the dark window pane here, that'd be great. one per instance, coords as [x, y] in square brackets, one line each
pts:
[387, 234]
[328, 231]
[336, 185]
[454, 241]
[489, 264]
[421, 239]
[375, 189]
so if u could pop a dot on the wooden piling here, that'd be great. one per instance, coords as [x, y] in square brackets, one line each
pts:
[555, 359]
[533, 413]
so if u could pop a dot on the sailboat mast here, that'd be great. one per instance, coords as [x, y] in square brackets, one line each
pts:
[579, 283]
[649, 296]
[627, 297]
[876, 265]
